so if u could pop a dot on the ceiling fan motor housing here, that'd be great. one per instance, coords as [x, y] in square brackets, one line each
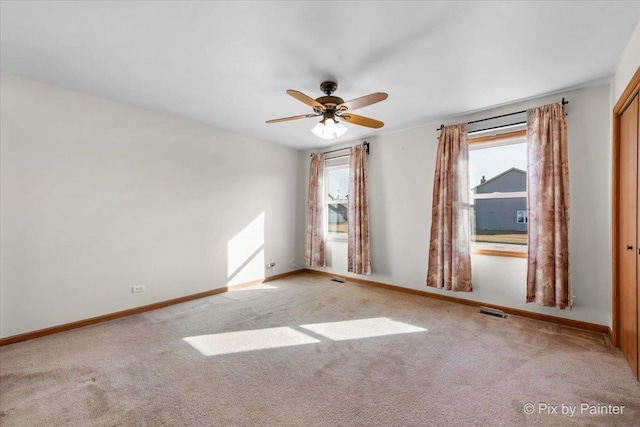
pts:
[328, 101]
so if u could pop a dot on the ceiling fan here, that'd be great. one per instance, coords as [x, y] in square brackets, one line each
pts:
[334, 110]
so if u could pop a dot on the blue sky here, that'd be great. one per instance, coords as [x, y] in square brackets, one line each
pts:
[338, 182]
[495, 160]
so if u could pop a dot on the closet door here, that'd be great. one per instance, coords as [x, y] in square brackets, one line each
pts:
[629, 230]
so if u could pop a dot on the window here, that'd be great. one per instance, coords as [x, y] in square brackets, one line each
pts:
[336, 197]
[498, 195]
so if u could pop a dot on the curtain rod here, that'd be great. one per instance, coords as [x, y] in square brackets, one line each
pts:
[365, 144]
[337, 157]
[500, 116]
[497, 127]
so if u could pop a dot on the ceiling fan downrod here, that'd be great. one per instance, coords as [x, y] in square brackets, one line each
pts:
[328, 87]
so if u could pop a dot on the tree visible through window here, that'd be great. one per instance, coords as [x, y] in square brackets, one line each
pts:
[498, 185]
[337, 186]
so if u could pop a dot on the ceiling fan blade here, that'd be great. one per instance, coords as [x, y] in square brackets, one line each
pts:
[363, 101]
[360, 120]
[306, 99]
[286, 119]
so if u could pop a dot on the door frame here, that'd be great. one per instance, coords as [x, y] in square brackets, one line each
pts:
[624, 100]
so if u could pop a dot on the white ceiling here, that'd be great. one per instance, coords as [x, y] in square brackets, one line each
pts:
[228, 64]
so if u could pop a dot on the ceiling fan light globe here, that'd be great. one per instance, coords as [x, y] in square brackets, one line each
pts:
[330, 127]
[318, 130]
[340, 129]
[325, 133]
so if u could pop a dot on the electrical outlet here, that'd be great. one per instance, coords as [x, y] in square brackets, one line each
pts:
[138, 288]
[271, 264]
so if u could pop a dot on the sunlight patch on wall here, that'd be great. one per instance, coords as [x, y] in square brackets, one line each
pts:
[245, 253]
[361, 328]
[236, 342]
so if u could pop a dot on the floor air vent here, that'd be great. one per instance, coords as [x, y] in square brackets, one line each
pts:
[337, 279]
[492, 312]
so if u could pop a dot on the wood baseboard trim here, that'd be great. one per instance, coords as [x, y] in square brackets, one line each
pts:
[283, 275]
[132, 311]
[577, 324]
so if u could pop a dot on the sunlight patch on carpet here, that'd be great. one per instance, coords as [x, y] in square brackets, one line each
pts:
[257, 287]
[361, 328]
[259, 339]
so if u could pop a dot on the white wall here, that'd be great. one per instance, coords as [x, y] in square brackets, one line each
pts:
[98, 196]
[401, 167]
[627, 65]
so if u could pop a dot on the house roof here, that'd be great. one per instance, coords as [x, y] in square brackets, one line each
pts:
[514, 169]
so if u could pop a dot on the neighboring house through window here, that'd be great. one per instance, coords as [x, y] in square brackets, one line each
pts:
[336, 197]
[498, 185]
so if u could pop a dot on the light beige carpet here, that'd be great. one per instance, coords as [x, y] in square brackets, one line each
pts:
[305, 351]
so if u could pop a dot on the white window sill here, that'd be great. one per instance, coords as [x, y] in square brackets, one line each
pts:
[498, 249]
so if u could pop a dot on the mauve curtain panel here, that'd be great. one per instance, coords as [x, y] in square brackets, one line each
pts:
[449, 251]
[548, 280]
[359, 255]
[314, 248]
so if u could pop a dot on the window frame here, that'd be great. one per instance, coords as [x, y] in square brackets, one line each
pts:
[475, 143]
[334, 164]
